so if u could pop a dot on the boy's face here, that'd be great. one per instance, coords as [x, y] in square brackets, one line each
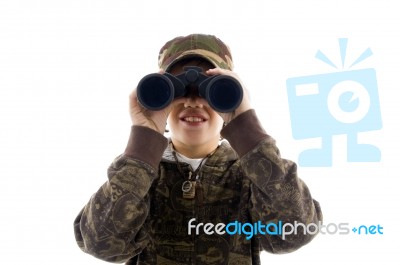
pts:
[193, 123]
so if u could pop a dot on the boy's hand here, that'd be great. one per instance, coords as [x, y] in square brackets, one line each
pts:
[141, 116]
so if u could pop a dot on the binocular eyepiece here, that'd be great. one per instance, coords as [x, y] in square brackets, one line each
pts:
[156, 91]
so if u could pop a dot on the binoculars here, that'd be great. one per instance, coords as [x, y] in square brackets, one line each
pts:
[156, 91]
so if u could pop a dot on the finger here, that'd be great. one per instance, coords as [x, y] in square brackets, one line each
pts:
[219, 70]
[133, 96]
[134, 102]
[214, 71]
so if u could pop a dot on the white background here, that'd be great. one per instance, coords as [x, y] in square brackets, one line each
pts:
[67, 68]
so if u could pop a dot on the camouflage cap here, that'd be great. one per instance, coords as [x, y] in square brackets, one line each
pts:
[208, 47]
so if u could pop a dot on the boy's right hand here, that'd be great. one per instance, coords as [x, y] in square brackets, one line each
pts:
[141, 116]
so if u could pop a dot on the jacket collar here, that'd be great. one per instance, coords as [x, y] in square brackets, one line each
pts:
[223, 155]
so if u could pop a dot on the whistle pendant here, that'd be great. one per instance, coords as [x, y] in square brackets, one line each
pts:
[189, 189]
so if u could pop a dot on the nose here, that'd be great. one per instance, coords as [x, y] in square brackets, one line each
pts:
[192, 99]
[193, 102]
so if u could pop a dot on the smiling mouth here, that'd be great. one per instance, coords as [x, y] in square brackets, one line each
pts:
[193, 119]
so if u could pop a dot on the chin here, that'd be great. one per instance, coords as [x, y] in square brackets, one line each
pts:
[192, 140]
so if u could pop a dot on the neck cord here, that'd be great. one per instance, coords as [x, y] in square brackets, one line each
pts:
[191, 173]
[188, 186]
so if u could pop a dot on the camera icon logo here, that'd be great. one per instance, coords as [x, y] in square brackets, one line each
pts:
[325, 105]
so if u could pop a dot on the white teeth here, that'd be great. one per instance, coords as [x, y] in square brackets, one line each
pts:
[193, 119]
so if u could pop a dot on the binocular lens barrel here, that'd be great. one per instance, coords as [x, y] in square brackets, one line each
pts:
[155, 92]
[224, 94]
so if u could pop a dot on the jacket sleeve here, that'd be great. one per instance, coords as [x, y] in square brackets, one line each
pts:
[111, 225]
[277, 193]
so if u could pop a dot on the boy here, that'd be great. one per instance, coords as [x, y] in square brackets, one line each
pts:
[171, 201]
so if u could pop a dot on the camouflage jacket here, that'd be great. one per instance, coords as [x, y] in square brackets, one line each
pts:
[140, 217]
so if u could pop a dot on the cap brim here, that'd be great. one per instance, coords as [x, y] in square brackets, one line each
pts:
[187, 56]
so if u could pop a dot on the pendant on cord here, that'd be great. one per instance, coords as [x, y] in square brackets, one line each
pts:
[189, 188]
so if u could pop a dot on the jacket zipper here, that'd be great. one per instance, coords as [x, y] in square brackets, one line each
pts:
[199, 197]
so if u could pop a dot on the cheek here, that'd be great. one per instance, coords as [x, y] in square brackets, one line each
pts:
[172, 119]
[218, 122]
